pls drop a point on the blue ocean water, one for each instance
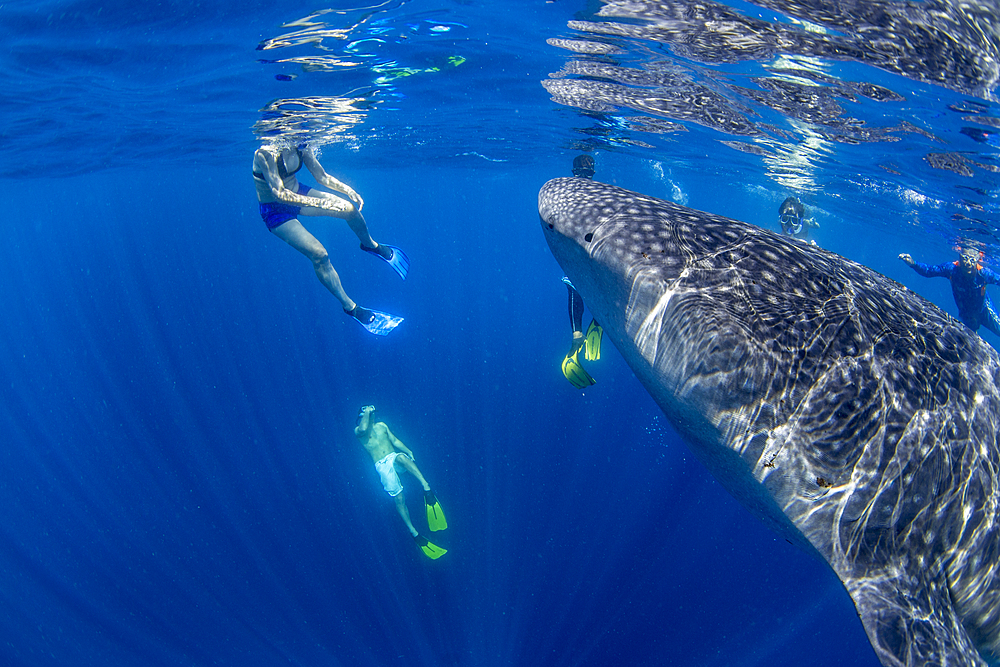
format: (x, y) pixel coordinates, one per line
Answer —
(180, 480)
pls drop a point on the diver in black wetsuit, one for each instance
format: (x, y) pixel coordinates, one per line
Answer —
(583, 167)
(968, 285)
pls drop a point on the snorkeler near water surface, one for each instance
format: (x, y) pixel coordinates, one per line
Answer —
(583, 167)
(793, 220)
(388, 452)
(968, 285)
(283, 199)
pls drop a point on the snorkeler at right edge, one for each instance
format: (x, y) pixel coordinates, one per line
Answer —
(968, 285)
(388, 452)
(583, 167)
(283, 199)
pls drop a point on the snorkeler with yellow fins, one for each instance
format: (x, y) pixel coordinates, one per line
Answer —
(388, 452)
(589, 343)
(583, 167)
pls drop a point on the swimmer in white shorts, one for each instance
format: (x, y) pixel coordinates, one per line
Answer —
(388, 452)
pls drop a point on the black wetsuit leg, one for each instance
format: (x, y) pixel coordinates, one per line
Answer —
(575, 310)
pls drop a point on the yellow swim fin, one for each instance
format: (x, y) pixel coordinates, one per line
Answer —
(575, 373)
(595, 335)
(430, 550)
(435, 515)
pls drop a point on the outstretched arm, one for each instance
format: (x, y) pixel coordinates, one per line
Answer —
(990, 276)
(264, 161)
(328, 181)
(927, 270)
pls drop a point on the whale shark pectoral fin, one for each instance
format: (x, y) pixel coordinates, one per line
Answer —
(910, 620)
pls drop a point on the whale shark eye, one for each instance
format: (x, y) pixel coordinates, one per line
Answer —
(589, 237)
(551, 226)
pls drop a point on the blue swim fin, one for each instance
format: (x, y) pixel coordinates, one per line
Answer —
(392, 256)
(375, 321)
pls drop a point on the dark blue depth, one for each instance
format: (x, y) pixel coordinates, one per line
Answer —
(183, 485)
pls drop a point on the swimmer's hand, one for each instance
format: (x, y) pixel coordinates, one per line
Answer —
(906, 258)
(354, 197)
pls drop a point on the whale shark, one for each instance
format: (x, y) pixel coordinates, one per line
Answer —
(851, 415)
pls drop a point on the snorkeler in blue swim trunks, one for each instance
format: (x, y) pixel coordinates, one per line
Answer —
(283, 199)
(968, 285)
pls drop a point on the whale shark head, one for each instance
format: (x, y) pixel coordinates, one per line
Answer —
(747, 338)
(688, 293)
(851, 415)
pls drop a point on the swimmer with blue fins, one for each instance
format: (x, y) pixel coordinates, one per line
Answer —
(283, 199)
(390, 455)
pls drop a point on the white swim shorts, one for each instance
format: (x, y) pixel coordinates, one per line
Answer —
(387, 471)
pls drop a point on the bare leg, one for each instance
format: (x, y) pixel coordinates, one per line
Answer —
(297, 236)
(347, 212)
(408, 463)
(360, 228)
(404, 513)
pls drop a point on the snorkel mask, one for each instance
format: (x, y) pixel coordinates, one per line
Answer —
(791, 223)
(790, 213)
(970, 258)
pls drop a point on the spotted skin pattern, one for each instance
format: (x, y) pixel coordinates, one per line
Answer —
(850, 414)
